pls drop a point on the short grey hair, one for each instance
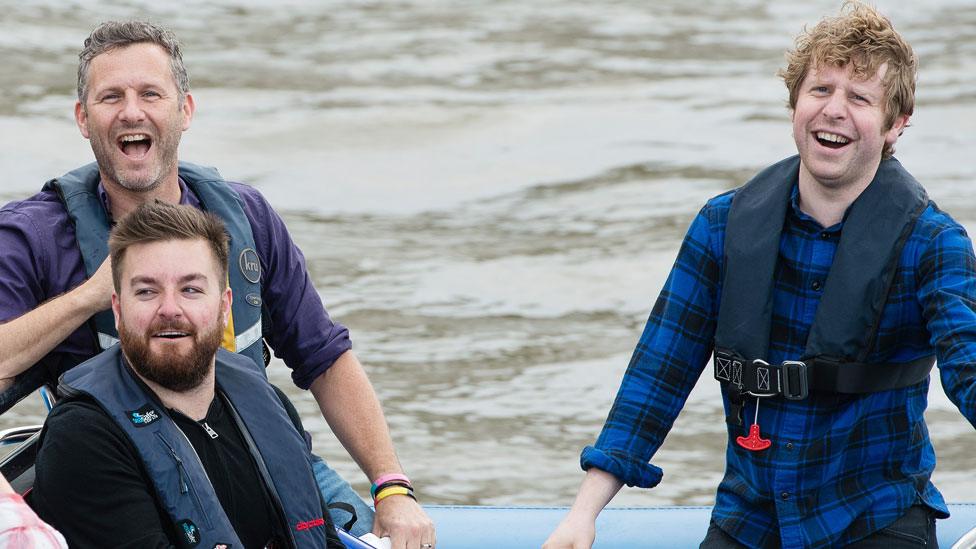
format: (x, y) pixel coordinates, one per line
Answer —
(119, 34)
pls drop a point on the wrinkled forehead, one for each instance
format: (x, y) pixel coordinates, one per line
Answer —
(138, 63)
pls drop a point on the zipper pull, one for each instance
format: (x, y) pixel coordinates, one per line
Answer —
(210, 431)
(184, 487)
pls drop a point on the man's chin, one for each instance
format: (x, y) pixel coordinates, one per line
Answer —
(137, 179)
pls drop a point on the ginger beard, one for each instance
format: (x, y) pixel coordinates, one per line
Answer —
(174, 370)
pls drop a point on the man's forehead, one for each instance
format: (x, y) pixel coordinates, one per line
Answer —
(857, 70)
(170, 260)
(132, 61)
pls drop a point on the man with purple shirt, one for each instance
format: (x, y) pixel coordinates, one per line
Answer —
(133, 105)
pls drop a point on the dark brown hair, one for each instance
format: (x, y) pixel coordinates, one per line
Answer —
(158, 221)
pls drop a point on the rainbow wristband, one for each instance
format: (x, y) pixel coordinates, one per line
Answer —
(392, 491)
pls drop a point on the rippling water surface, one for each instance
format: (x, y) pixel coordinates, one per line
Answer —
(490, 194)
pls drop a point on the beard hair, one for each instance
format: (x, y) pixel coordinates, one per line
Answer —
(178, 372)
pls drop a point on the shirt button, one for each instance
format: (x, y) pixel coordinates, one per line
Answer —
(789, 446)
(816, 285)
(785, 495)
(825, 235)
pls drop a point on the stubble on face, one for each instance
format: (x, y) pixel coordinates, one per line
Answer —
(178, 372)
(166, 143)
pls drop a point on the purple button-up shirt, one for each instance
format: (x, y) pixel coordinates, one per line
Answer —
(40, 260)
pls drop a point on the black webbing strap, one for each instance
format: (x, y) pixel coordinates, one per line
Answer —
(853, 378)
(795, 379)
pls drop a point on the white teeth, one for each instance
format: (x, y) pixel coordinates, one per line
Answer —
(832, 137)
(136, 137)
(169, 334)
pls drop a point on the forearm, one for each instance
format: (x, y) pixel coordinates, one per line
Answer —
(350, 405)
(595, 492)
(27, 338)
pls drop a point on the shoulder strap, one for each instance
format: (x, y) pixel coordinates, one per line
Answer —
(244, 270)
(752, 236)
(875, 232)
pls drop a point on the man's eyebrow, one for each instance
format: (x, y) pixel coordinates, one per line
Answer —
(146, 279)
(192, 277)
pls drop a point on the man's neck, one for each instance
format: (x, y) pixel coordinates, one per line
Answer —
(194, 403)
(826, 203)
(123, 201)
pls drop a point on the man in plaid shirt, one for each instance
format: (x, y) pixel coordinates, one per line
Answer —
(825, 287)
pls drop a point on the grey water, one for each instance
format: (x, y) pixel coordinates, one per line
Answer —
(490, 193)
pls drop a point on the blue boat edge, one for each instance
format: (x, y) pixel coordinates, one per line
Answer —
(479, 527)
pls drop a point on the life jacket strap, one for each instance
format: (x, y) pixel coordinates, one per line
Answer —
(795, 379)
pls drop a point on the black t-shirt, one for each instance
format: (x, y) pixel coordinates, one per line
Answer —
(87, 463)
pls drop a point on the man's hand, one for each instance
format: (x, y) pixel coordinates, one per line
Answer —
(405, 522)
(100, 286)
(574, 532)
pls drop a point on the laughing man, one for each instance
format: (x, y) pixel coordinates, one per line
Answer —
(826, 287)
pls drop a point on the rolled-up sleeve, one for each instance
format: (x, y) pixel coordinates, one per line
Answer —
(667, 362)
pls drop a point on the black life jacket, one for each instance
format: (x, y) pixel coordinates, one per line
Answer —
(845, 326)
(279, 450)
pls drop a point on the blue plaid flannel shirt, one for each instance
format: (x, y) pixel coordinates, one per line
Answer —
(841, 466)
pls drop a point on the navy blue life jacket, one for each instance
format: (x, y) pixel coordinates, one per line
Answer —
(282, 456)
(855, 292)
(78, 191)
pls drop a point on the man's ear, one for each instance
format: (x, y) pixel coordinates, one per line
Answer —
(81, 118)
(226, 300)
(116, 309)
(188, 109)
(892, 135)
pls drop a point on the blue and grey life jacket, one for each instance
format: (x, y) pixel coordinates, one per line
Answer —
(78, 191)
(844, 329)
(279, 450)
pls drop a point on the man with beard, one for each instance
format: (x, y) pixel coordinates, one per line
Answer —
(55, 285)
(167, 439)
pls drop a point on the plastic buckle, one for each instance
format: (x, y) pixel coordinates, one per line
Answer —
(794, 373)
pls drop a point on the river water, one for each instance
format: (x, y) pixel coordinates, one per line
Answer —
(490, 194)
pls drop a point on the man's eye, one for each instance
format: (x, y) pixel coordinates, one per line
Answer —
(110, 98)
(151, 94)
(192, 290)
(144, 292)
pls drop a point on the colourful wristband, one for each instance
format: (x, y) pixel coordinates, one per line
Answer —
(391, 491)
(383, 479)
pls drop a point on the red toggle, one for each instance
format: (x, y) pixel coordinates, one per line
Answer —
(753, 442)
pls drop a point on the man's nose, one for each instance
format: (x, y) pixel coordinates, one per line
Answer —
(169, 305)
(132, 108)
(836, 106)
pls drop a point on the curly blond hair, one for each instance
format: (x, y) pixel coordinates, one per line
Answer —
(864, 40)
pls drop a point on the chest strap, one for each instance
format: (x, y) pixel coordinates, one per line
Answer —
(794, 379)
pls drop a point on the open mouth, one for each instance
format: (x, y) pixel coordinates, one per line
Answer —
(135, 145)
(831, 140)
(171, 334)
